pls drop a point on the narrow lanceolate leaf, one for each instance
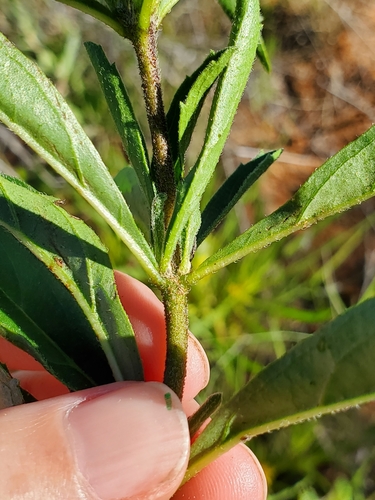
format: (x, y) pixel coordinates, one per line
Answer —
(128, 183)
(33, 109)
(344, 180)
(330, 371)
(263, 56)
(191, 106)
(204, 412)
(58, 299)
(231, 191)
(229, 7)
(123, 115)
(187, 104)
(243, 41)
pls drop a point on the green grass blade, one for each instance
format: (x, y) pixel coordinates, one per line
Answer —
(244, 40)
(344, 180)
(33, 109)
(231, 191)
(123, 115)
(330, 371)
(67, 260)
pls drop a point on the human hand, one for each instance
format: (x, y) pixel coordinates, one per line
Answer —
(116, 441)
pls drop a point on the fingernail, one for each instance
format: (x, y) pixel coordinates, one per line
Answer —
(132, 442)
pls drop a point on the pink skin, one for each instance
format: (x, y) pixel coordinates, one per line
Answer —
(117, 441)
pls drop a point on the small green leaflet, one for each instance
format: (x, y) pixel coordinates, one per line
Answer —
(231, 191)
(201, 84)
(187, 104)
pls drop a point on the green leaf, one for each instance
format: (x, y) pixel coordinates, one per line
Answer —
(99, 11)
(165, 7)
(231, 191)
(369, 292)
(262, 54)
(330, 371)
(123, 115)
(192, 105)
(229, 7)
(344, 180)
(244, 40)
(204, 412)
(58, 298)
(188, 241)
(128, 183)
(187, 104)
(33, 109)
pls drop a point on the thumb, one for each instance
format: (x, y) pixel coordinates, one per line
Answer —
(124, 440)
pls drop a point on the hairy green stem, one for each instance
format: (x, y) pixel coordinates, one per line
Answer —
(176, 315)
(145, 45)
(173, 291)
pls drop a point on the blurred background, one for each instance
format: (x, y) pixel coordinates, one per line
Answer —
(318, 97)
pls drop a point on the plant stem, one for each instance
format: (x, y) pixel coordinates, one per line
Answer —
(145, 45)
(174, 292)
(177, 322)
